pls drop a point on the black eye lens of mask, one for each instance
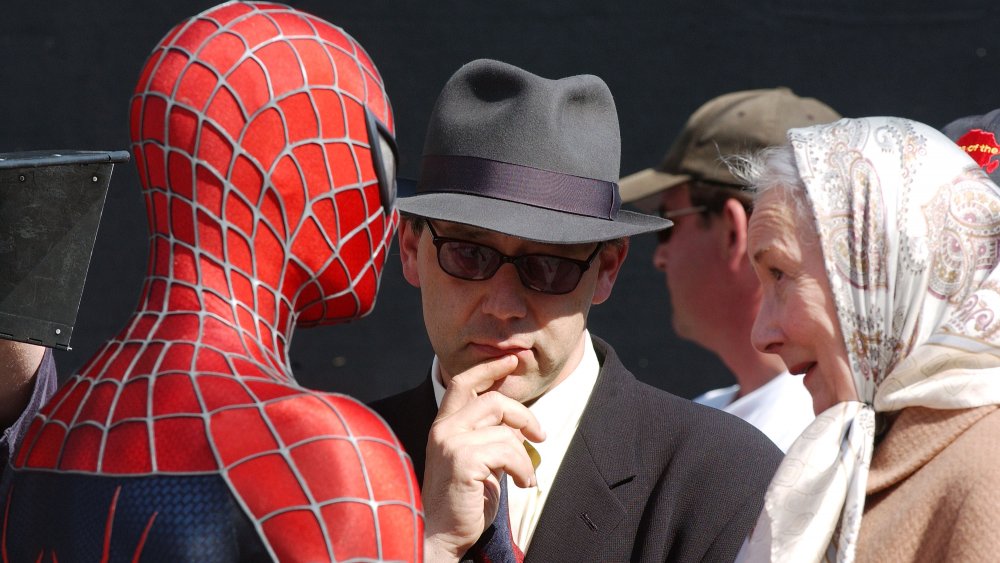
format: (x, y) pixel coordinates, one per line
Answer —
(382, 145)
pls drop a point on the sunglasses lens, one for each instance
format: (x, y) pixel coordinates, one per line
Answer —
(468, 261)
(548, 274)
(538, 272)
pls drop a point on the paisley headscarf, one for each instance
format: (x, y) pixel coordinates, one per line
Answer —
(910, 232)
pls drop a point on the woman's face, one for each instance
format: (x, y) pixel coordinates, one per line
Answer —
(797, 319)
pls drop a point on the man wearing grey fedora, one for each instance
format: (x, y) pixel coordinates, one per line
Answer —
(514, 233)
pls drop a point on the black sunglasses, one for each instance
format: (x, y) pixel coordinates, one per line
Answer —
(472, 261)
(663, 235)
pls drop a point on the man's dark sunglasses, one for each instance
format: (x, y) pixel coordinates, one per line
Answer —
(472, 261)
(663, 235)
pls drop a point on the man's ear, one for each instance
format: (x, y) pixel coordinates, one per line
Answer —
(609, 262)
(735, 242)
(409, 246)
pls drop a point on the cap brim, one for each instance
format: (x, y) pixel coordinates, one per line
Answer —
(527, 221)
(638, 188)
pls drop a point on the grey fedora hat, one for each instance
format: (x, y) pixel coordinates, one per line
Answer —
(525, 156)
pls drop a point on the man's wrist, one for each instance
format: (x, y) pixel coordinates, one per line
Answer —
(438, 551)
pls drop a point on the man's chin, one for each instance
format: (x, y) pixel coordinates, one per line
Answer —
(516, 387)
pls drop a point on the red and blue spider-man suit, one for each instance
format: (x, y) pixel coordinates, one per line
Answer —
(262, 136)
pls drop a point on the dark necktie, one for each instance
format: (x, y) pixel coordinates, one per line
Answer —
(496, 545)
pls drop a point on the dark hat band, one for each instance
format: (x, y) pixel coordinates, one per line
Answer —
(502, 180)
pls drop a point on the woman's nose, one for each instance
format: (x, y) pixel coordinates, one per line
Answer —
(766, 335)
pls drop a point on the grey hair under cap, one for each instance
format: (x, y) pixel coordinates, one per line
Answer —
(526, 156)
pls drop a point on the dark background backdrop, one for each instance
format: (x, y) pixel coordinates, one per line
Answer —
(68, 68)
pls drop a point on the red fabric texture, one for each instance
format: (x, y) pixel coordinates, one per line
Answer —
(249, 133)
(982, 147)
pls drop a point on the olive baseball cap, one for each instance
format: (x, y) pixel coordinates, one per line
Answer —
(731, 124)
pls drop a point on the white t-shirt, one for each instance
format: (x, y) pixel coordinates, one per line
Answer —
(781, 408)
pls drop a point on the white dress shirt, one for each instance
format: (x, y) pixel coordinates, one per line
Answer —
(781, 408)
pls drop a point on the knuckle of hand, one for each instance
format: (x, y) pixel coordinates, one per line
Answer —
(497, 401)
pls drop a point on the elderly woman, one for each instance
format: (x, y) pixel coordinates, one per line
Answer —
(877, 243)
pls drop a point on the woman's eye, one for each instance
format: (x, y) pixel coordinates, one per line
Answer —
(776, 274)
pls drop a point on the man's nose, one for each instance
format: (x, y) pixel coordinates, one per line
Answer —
(660, 257)
(504, 295)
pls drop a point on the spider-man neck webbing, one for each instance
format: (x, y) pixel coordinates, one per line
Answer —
(263, 140)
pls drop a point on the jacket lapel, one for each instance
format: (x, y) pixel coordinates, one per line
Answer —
(585, 504)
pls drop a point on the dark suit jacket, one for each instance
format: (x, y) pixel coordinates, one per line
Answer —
(648, 477)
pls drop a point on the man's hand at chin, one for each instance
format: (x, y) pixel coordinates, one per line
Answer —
(474, 440)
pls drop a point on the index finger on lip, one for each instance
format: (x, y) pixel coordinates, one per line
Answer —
(466, 386)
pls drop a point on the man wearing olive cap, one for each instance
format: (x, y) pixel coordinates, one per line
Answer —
(714, 293)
